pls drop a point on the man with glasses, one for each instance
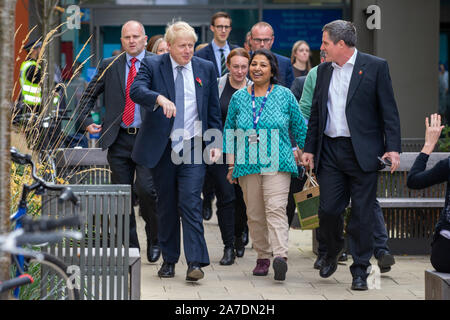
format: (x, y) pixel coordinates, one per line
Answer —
(219, 48)
(262, 36)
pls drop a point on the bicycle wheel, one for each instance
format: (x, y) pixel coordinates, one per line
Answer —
(51, 280)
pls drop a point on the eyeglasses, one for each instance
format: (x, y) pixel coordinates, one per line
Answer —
(223, 27)
(257, 40)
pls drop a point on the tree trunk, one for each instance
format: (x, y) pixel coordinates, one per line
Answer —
(7, 25)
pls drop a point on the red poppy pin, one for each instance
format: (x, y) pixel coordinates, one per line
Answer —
(360, 72)
(199, 81)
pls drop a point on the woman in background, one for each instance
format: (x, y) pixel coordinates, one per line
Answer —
(300, 58)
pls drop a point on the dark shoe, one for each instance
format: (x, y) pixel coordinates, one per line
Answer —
(245, 236)
(207, 210)
(359, 284)
(262, 267)
(153, 252)
(385, 261)
(343, 257)
(228, 257)
(194, 272)
(239, 246)
(328, 268)
(167, 270)
(280, 268)
(319, 262)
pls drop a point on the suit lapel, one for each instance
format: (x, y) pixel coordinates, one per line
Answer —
(167, 76)
(121, 70)
(198, 79)
(213, 58)
(355, 80)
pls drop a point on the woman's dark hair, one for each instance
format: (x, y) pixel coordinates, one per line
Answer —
(272, 60)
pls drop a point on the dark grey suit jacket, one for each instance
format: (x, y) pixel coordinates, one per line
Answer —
(109, 80)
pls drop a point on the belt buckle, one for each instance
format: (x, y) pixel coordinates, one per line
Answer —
(132, 130)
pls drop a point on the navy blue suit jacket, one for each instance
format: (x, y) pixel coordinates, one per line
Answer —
(207, 53)
(285, 71)
(155, 77)
(371, 112)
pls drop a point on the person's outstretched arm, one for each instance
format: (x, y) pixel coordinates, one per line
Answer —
(418, 177)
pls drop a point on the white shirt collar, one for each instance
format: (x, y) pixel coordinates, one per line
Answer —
(350, 61)
(216, 46)
(175, 64)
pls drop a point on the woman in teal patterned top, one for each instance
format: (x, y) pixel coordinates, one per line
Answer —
(260, 155)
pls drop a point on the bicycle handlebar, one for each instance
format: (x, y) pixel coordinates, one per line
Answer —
(67, 193)
(40, 238)
(43, 224)
(16, 282)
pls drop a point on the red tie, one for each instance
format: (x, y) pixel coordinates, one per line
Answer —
(128, 113)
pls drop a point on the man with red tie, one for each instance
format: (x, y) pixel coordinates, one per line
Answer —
(120, 124)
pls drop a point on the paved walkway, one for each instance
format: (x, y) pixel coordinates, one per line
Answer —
(405, 281)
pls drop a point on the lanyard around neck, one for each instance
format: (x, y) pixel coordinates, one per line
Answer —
(256, 117)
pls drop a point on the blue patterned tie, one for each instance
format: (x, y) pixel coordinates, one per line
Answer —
(177, 145)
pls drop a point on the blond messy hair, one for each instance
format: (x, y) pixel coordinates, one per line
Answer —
(178, 29)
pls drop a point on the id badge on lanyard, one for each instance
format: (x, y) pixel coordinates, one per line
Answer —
(254, 138)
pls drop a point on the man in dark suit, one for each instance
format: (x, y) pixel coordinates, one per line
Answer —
(219, 48)
(262, 36)
(121, 123)
(354, 119)
(181, 95)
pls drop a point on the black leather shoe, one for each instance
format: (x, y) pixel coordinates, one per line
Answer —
(343, 257)
(167, 270)
(319, 262)
(153, 252)
(328, 268)
(228, 257)
(239, 246)
(245, 236)
(359, 284)
(385, 261)
(194, 272)
(207, 210)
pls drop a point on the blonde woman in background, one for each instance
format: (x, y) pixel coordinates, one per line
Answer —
(300, 58)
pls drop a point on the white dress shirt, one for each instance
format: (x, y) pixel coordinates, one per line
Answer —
(337, 125)
(190, 101)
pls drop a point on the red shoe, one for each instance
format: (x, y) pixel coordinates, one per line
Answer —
(262, 267)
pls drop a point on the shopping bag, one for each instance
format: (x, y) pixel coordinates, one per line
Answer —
(307, 202)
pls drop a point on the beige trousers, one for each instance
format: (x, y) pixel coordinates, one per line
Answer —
(266, 198)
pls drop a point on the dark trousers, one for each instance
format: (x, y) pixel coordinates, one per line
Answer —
(208, 188)
(440, 254)
(240, 212)
(341, 179)
(123, 171)
(296, 186)
(225, 201)
(147, 199)
(380, 236)
(179, 188)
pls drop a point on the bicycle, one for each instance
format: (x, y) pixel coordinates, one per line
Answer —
(28, 232)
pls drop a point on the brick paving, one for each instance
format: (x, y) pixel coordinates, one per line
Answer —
(404, 282)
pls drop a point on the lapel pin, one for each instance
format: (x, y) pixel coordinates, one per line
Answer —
(360, 72)
(199, 81)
